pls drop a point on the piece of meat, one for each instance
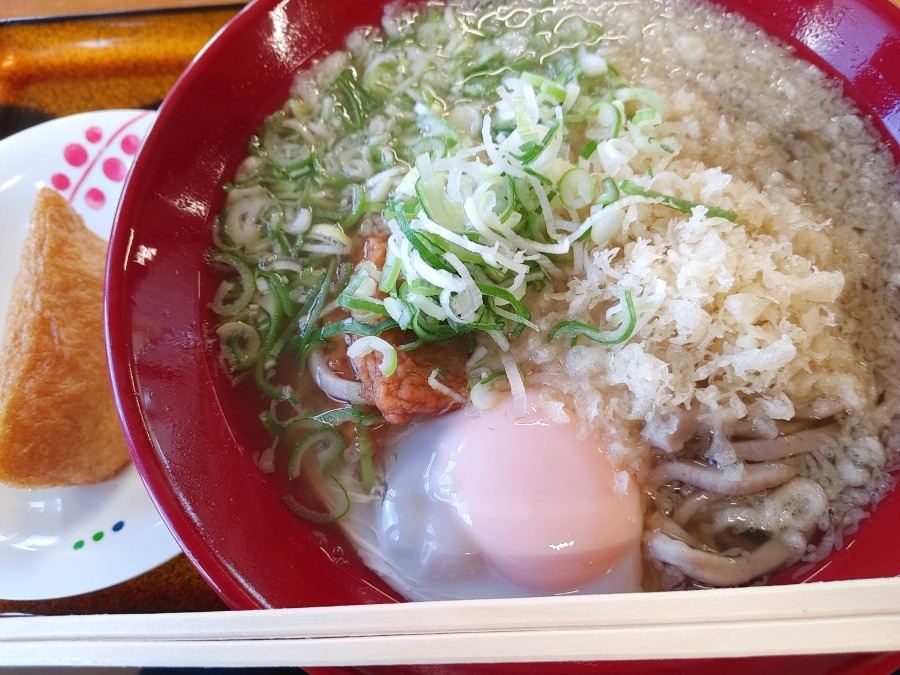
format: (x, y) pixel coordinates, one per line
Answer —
(375, 247)
(407, 393)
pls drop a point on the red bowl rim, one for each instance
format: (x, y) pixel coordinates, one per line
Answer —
(150, 460)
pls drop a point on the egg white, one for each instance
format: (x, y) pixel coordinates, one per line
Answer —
(413, 532)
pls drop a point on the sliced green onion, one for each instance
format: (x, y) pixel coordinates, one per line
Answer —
(606, 224)
(327, 236)
(442, 388)
(399, 310)
(371, 343)
(525, 127)
(351, 102)
(276, 284)
(433, 124)
(646, 116)
(353, 327)
(338, 416)
(379, 77)
(359, 292)
(312, 308)
(554, 91)
(576, 189)
(541, 177)
(357, 207)
(530, 150)
(265, 386)
(366, 458)
(486, 320)
(588, 149)
(544, 85)
(610, 118)
(432, 330)
(282, 146)
(359, 304)
(319, 517)
(327, 440)
(356, 281)
(522, 315)
(434, 146)
(683, 205)
(221, 304)
(525, 194)
(330, 382)
(241, 341)
(422, 287)
(410, 346)
(437, 206)
(610, 192)
(641, 95)
(612, 337)
(390, 272)
(506, 199)
(421, 247)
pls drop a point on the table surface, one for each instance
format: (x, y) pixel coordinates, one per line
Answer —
(46, 72)
(51, 66)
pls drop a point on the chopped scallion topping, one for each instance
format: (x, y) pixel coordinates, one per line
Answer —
(611, 337)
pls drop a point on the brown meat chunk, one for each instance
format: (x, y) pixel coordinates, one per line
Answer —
(375, 247)
(406, 393)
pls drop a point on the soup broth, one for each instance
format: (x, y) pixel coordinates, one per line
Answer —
(569, 298)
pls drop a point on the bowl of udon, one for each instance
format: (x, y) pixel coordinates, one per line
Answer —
(435, 301)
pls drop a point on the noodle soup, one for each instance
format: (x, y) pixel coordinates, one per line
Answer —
(563, 299)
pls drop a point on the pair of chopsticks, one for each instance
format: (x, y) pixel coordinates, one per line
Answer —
(829, 617)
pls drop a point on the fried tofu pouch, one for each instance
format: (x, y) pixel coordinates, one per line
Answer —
(58, 422)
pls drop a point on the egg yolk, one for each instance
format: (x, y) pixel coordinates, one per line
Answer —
(547, 510)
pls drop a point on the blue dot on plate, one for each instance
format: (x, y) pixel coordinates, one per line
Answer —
(118, 526)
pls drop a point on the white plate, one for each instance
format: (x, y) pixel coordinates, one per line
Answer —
(60, 542)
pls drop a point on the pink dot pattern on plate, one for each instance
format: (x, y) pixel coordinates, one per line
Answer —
(95, 198)
(111, 160)
(114, 169)
(75, 154)
(130, 144)
(60, 181)
(93, 134)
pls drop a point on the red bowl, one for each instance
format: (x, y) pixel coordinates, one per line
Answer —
(192, 435)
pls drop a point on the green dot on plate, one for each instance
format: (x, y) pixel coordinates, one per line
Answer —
(97, 536)
(78, 545)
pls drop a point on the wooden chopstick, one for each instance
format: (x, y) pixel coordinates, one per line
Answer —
(832, 617)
